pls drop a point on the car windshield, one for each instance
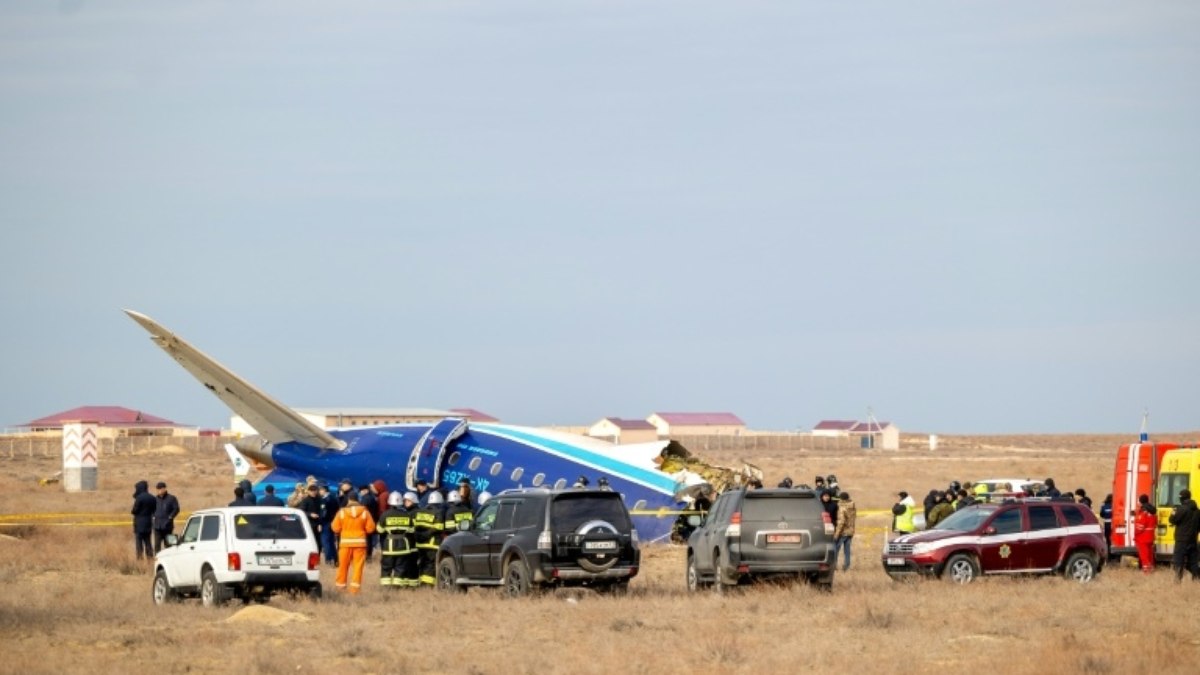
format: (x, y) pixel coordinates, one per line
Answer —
(268, 526)
(569, 511)
(965, 520)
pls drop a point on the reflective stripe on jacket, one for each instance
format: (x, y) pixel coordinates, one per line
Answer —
(353, 523)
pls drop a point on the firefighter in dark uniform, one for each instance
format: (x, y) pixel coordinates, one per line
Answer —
(456, 513)
(397, 561)
(429, 523)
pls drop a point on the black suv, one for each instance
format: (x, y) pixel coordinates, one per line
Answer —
(527, 539)
(752, 534)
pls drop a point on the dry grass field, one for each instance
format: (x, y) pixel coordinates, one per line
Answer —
(75, 600)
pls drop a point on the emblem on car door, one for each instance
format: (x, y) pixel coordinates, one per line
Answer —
(1005, 551)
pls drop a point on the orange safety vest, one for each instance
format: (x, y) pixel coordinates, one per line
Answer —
(353, 523)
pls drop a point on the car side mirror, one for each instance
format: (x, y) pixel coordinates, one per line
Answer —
(171, 540)
(990, 531)
(694, 520)
(464, 525)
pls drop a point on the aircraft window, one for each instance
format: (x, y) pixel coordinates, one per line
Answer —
(539, 479)
(517, 473)
(560, 483)
(475, 462)
(641, 504)
(453, 458)
(496, 469)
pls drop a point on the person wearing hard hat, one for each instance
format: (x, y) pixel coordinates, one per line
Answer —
(456, 513)
(429, 522)
(353, 524)
(395, 541)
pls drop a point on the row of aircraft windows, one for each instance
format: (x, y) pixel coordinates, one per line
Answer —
(497, 467)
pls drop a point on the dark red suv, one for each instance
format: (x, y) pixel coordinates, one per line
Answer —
(1028, 536)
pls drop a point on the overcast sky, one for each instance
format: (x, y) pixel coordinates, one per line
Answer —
(971, 217)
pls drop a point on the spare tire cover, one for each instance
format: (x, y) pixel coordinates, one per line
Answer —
(598, 560)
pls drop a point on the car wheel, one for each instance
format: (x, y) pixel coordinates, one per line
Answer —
(516, 578)
(598, 531)
(162, 592)
(1081, 567)
(212, 593)
(694, 582)
(961, 569)
(617, 589)
(823, 582)
(447, 574)
(314, 592)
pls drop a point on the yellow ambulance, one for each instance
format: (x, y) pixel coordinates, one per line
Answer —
(1179, 471)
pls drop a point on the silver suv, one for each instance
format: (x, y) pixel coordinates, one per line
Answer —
(249, 552)
(754, 534)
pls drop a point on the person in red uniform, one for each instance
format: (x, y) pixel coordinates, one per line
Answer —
(1144, 525)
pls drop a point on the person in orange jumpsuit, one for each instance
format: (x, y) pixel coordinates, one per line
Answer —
(1144, 526)
(354, 524)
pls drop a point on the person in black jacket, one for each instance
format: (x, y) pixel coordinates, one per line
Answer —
(269, 498)
(248, 492)
(1186, 519)
(166, 507)
(144, 506)
(239, 497)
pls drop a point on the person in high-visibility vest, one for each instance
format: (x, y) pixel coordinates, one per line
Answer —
(904, 510)
(429, 523)
(397, 560)
(353, 523)
(981, 492)
(456, 513)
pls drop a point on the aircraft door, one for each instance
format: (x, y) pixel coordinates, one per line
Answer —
(425, 462)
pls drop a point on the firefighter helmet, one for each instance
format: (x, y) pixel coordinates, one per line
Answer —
(394, 499)
(435, 498)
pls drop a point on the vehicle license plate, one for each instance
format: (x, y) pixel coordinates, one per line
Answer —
(274, 560)
(783, 539)
(895, 561)
(599, 545)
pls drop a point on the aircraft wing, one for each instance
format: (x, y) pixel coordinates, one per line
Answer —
(274, 421)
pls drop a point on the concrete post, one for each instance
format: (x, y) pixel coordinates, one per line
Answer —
(81, 451)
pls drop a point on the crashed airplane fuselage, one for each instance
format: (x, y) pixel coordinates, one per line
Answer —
(492, 457)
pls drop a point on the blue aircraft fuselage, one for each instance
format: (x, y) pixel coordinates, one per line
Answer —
(491, 457)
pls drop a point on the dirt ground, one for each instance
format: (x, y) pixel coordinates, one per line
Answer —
(75, 600)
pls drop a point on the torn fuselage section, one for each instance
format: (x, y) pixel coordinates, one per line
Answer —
(699, 482)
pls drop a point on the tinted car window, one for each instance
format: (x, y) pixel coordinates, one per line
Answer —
(268, 526)
(504, 519)
(1073, 515)
(775, 508)
(528, 514)
(192, 531)
(211, 529)
(486, 519)
(965, 520)
(570, 511)
(1042, 518)
(1007, 522)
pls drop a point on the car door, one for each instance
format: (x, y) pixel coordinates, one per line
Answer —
(1001, 541)
(475, 541)
(502, 531)
(711, 532)
(1043, 540)
(183, 565)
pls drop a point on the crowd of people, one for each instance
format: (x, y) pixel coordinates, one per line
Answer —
(408, 528)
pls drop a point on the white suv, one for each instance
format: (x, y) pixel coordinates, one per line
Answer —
(246, 552)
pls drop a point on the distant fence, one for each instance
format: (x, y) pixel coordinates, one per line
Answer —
(18, 447)
(766, 443)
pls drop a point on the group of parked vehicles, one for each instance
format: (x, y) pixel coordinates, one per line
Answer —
(528, 539)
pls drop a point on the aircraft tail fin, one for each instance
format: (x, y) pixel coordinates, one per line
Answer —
(274, 421)
(241, 467)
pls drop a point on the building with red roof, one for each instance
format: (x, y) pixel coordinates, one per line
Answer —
(619, 430)
(671, 424)
(112, 421)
